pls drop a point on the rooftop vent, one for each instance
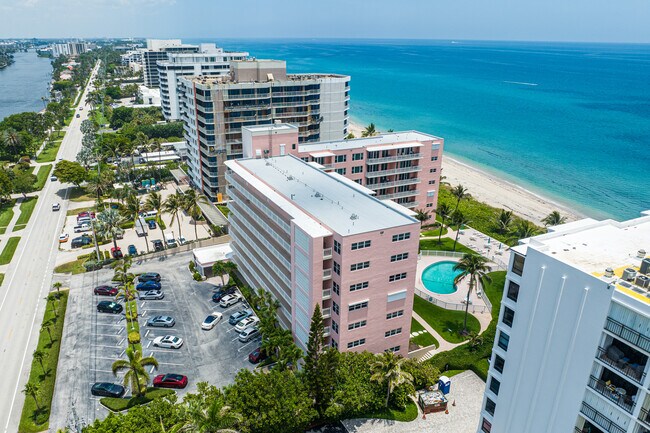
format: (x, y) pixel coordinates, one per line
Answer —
(609, 272)
(645, 266)
(642, 281)
(641, 254)
(629, 274)
(289, 177)
(354, 217)
(318, 194)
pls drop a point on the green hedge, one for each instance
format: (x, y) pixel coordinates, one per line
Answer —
(120, 404)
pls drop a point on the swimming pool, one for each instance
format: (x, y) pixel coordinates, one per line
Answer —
(439, 278)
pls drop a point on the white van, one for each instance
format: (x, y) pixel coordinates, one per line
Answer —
(169, 240)
(149, 214)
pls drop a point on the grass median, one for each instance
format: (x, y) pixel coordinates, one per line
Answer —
(120, 404)
(49, 152)
(26, 210)
(6, 214)
(36, 410)
(9, 250)
(41, 176)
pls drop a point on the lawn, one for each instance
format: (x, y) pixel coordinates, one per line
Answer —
(78, 194)
(434, 232)
(6, 214)
(120, 404)
(26, 209)
(33, 418)
(2, 278)
(224, 210)
(446, 244)
(74, 267)
(415, 326)
(9, 250)
(448, 323)
(49, 152)
(406, 415)
(41, 176)
(99, 118)
(425, 340)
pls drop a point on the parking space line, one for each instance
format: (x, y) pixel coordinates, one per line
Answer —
(110, 359)
(171, 363)
(107, 346)
(252, 341)
(102, 371)
(109, 335)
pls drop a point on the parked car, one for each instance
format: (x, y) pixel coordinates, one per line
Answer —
(148, 285)
(133, 251)
(56, 207)
(116, 252)
(54, 178)
(248, 334)
(109, 307)
(84, 220)
(211, 321)
(170, 381)
(182, 240)
(161, 322)
(229, 300)
(78, 116)
(106, 389)
(168, 342)
(246, 323)
(151, 224)
(81, 241)
(158, 245)
(106, 291)
(86, 214)
(240, 315)
(82, 228)
(63, 237)
(222, 292)
(257, 356)
(149, 276)
(152, 295)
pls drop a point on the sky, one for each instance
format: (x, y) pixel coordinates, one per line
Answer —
(527, 20)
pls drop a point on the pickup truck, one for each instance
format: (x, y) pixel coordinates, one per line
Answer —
(81, 228)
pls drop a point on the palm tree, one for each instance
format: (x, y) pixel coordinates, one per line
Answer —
(173, 206)
(154, 202)
(108, 225)
(523, 229)
(215, 418)
(57, 286)
(31, 389)
(387, 368)
(444, 212)
(460, 192)
(11, 140)
(369, 131)
(459, 220)
(475, 268)
(46, 326)
(132, 210)
(554, 219)
(121, 270)
(191, 202)
(53, 298)
(219, 268)
(39, 355)
(504, 220)
(422, 216)
(136, 374)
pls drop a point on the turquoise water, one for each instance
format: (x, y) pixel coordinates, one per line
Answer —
(439, 277)
(23, 83)
(570, 121)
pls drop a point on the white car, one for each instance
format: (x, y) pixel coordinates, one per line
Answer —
(63, 237)
(248, 334)
(211, 321)
(168, 342)
(229, 300)
(82, 228)
(245, 323)
(56, 207)
(54, 178)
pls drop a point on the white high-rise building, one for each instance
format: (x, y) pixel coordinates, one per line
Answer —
(157, 50)
(573, 339)
(209, 60)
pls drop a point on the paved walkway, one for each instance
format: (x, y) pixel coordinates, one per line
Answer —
(444, 344)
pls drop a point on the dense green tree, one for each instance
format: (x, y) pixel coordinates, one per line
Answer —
(386, 369)
(6, 185)
(136, 375)
(159, 416)
(70, 172)
(474, 268)
(424, 373)
(113, 92)
(107, 225)
(121, 116)
(211, 414)
(504, 221)
(24, 182)
(523, 229)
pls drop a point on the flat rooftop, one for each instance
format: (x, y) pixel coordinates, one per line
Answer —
(336, 204)
(378, 140)
(226, 79)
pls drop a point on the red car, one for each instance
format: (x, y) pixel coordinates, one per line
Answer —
(106, 291)
(170, 381)
(116, 253)
(256, 356)
(86, 214)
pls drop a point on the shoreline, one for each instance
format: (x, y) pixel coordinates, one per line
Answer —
(496, 191)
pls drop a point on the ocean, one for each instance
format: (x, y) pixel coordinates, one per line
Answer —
(568, 121)
(23, 83)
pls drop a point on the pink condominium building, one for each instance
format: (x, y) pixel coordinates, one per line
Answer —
(400, 166)
(316, 238)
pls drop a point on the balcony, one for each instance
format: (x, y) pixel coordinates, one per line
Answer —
(380, 173)
(327, 294)
(600, 419)
(327, 253)
(327, 313)
(624, 360)
(628, 334)
(327, 274)
(398, 195)
(391, 184)
(618, 396)
(326, 331)
(394, 158)
(644, 416)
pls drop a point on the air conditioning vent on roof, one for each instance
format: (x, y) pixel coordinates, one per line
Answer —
(642, 281)
(609, 272)
(318, 194)
(641, 254)
(289, 177)
(629, 274)
(354, 216)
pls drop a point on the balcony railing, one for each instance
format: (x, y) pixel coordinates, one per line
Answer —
(391, 184)
(628, 334)
(610, 392)
(393, 158)
(379, 173)
(327, 294)
(635, 373)
(326, 331)
(327, 253)
(398, 195)
(644, 416)
(327, 312)
(327, 274)
(601, 419)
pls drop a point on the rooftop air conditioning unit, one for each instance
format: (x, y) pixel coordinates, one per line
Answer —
(645, 266)
(609, 272)
(629, 274)
(318, 194)
(640, 254)
(642, 281)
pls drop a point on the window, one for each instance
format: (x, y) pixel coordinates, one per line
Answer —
(513, 291)
(431, 193)
(490, 406)
(357, 156)
(394, 314)
(335, 307)
(434, 158)
(340, 158)
(508, 316)
(340, 171)
(357, 169)
(335, 326)
(429, 205)
(356, 325)
(499, 363)
(397, 277)
(494, 386)
(293, 146)
(486, 426)
(337, 247)
(335, 345)
(335, 288)
(433, 170)
(358, 286)
(399, 257)
(337, 268)
(360, 245)
(357, 266)
(518, 264)
(392, 332)
(356, 343)
(358, 306)
(504, 340)
(401, 237)
(393, 349)
(432, 182)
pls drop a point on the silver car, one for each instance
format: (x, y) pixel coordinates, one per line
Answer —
(152, 295)
(248, 334)
(161, 322)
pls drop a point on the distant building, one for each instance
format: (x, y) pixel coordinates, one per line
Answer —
(157, 50)
(209, 60)
(314, 238)
(71, 48)
(150, 97)
(255, 92)
(133, 59)
(572, 340)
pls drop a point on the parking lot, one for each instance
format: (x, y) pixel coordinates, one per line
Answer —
(93, 341)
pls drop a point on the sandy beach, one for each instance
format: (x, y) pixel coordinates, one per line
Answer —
(495, 191)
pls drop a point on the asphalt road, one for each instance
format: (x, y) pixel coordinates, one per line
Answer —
(27, 282)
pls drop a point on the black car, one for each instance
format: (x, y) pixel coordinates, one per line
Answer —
(158, 245)
(149, 276)
(106, 389)
(109, 307)
(220, 293)
(151, 224)
(81, 241)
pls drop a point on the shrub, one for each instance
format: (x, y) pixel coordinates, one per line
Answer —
(92, 265)
(197, 276)
(192, 266)
(131, 315)
(134, 337)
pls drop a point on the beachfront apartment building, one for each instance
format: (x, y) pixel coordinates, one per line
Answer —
(315, 238)
(573, 337)
(71, 48)
(255, 92)
(157, 51)
(209, 60)
(400, 166)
